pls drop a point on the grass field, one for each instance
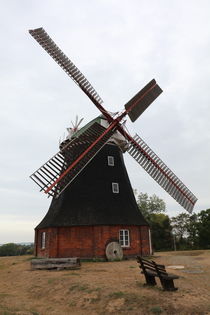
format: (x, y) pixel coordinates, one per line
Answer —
(104, 288)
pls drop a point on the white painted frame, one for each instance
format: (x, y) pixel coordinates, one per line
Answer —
(110, 160)
(124, 238)
(115, 188)
(43, 240)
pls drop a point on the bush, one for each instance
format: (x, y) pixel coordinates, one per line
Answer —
(12, 249)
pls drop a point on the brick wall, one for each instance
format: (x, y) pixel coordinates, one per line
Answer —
(90, 241)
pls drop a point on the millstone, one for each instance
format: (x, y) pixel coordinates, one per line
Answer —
(114, 251)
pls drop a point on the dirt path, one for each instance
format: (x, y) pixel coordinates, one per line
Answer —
(104, 288)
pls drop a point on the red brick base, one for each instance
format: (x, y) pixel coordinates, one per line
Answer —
(90, 241)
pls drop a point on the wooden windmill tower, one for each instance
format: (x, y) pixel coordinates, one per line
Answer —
(93, 205)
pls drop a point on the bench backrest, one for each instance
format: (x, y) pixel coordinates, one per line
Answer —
(151, 266)
(160, 269)
(146, 264)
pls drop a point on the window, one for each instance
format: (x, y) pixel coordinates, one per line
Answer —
(43, 240)
(115, 188)
(110, 160)
(124, 238)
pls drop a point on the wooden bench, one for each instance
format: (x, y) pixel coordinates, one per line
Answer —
(151, 270)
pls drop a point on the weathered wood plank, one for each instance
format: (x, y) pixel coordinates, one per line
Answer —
(55, 263)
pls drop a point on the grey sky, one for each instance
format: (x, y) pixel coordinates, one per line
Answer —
(119, 46)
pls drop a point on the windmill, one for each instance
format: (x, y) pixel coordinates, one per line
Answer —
(81, 151)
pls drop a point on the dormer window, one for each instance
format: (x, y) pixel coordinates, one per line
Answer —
(115, 188)
(110, 160)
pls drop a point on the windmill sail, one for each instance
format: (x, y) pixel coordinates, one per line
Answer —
(137, 105)
(41, 36)
(158, 170)
(57, 173)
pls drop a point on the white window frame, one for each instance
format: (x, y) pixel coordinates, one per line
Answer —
(110, 160)
(115, 188)
(43, 240)
(124, 238)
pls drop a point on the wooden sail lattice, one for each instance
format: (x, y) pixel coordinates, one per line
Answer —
(41, 36)
(158, 170)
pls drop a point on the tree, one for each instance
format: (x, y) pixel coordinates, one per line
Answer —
(152, 208)
(192, 229)
(9, 249)
(180, 229)
(161, 231)
(12, 249)
(149, 205)
(203, 229)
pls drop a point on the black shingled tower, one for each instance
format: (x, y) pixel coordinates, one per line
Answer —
(89, 199)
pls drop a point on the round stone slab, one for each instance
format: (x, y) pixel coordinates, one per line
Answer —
(114, 251)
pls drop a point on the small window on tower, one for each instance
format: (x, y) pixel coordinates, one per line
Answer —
(110, 160)
(115, 188)
(124, 238)
(43, 240)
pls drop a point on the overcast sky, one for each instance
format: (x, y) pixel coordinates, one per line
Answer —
(119, 46)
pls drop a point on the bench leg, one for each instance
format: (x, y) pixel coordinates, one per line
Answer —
(150, 280)
(168, 285)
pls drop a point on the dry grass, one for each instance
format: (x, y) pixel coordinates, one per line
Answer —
(104, 288)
